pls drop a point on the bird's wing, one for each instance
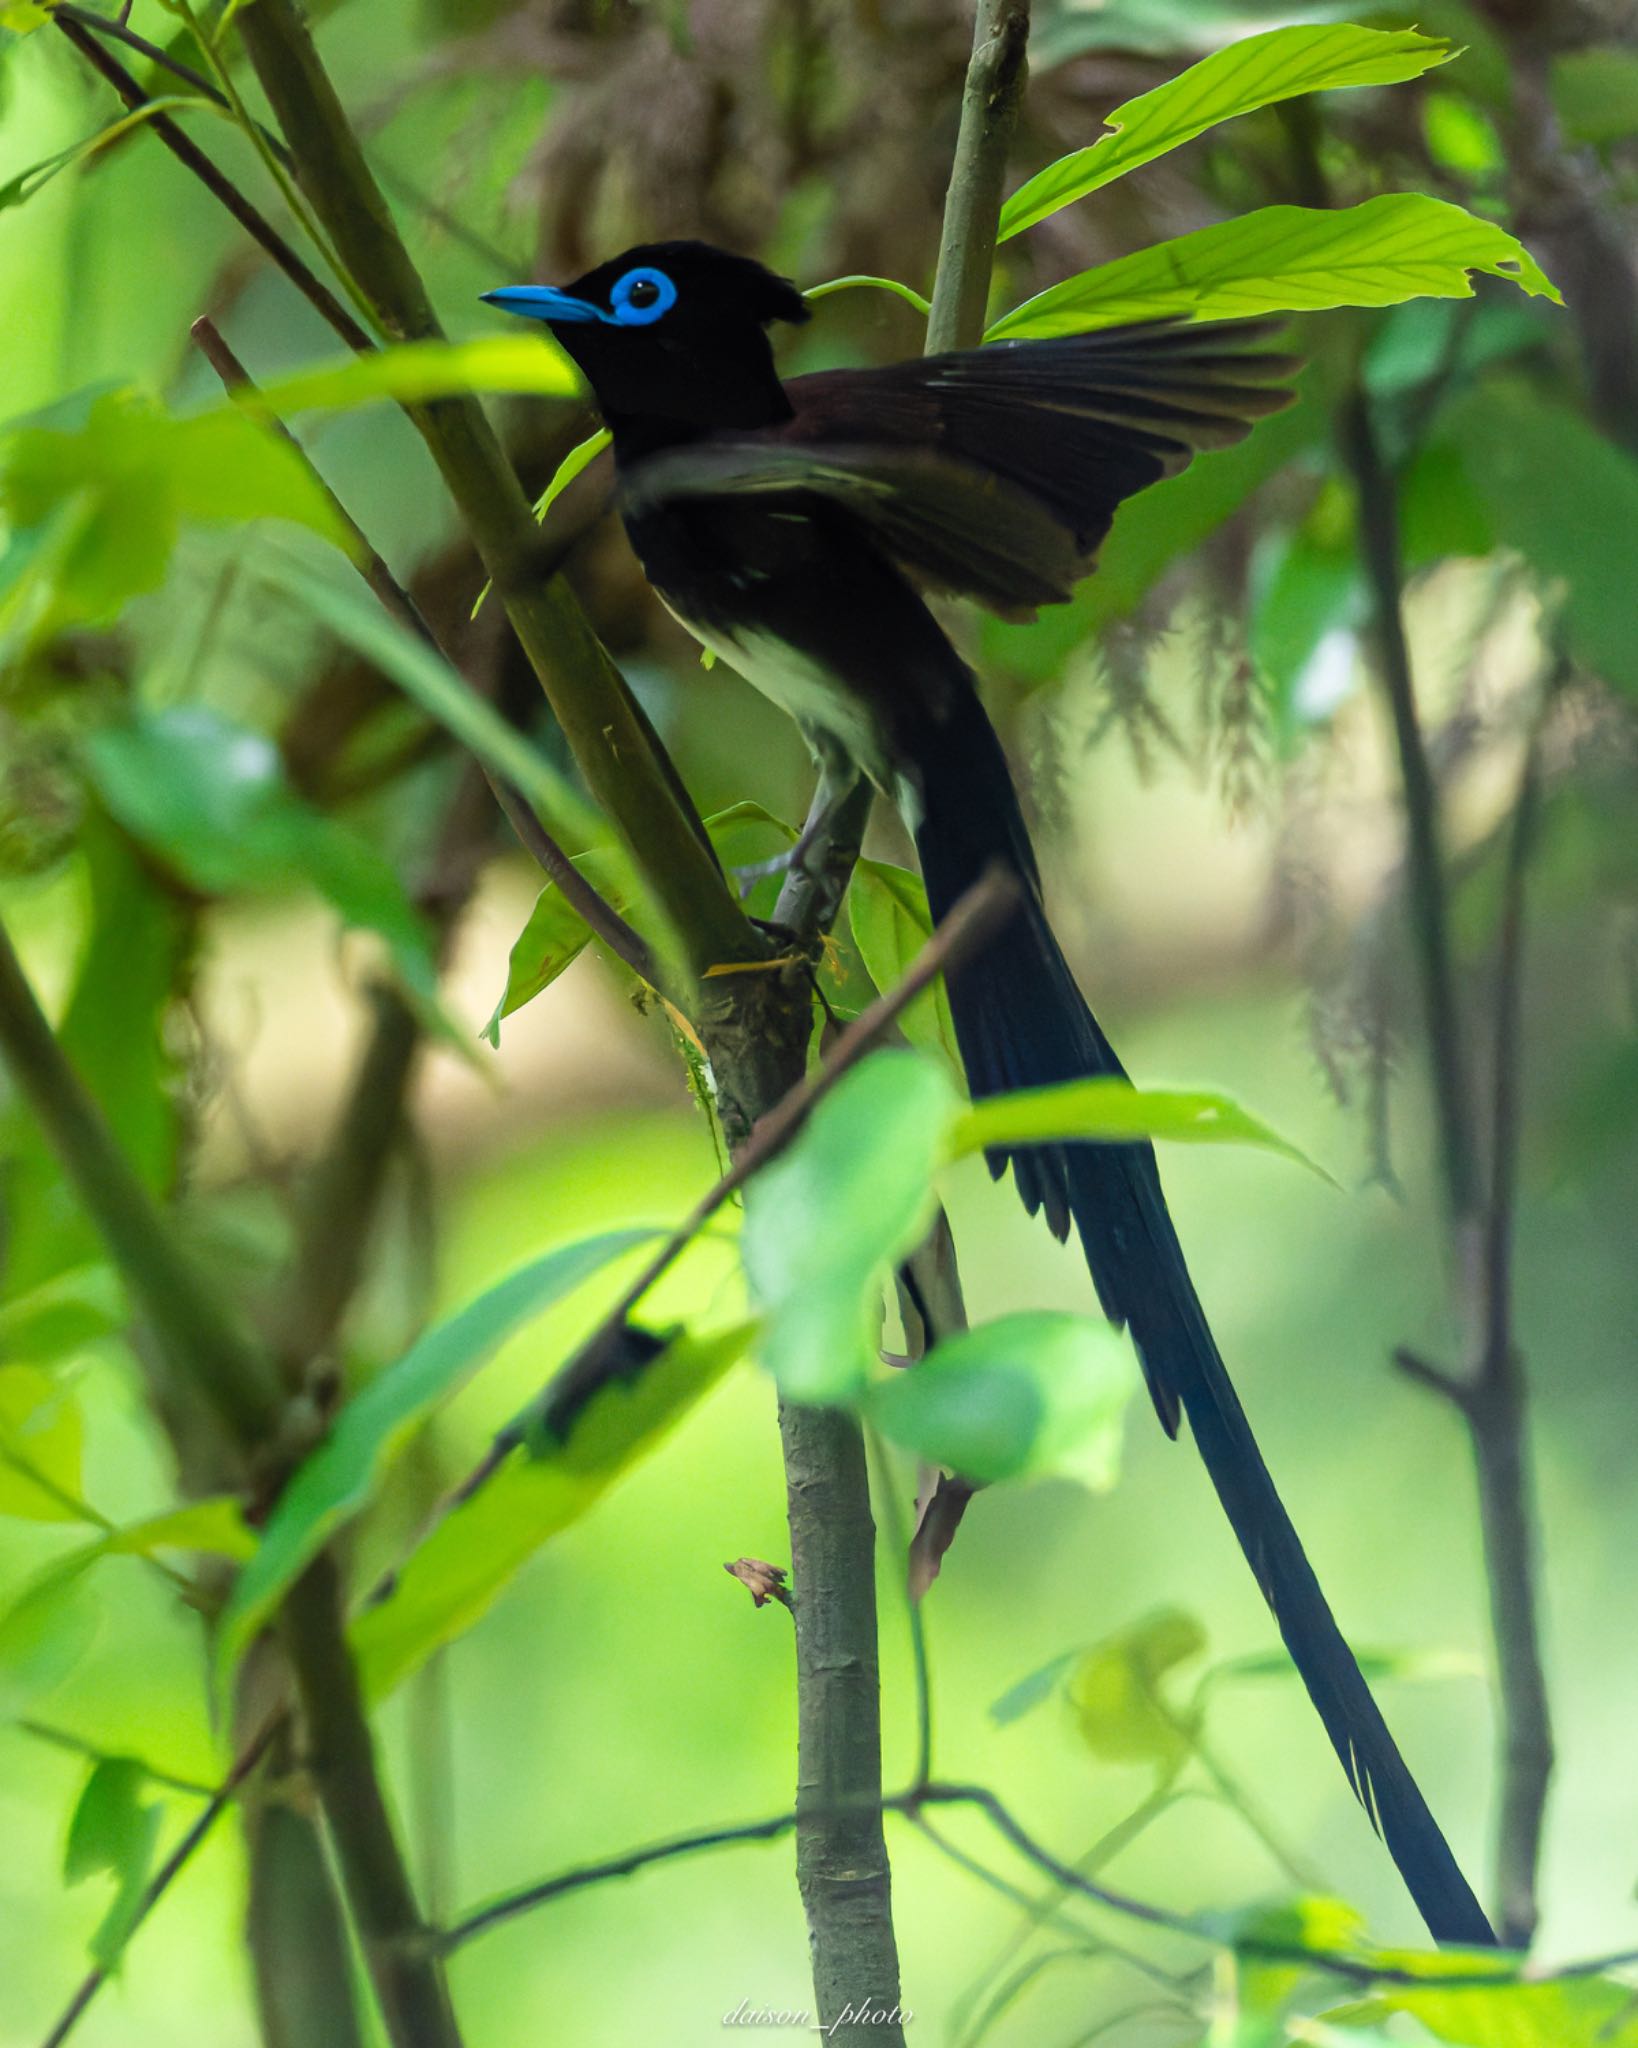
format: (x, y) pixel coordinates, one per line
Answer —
(1074, 426)
(959, 526)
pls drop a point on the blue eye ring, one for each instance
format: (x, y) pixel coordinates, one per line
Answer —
(620, 298)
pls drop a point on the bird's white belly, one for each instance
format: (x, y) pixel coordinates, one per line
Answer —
(805, 689)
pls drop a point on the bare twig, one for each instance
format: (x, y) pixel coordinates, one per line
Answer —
(164, 1877)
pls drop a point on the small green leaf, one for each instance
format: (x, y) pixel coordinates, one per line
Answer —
(1108, 1110)
(62, 1315)
(371, 1431)
(880, 284)
(580, 457)
(827, 1219)
(1024, 1394)
(47, 1630)
(463, 1567)
(41, 1439)
(113, 1830)
(1289, 259)
(216, 1525)
(1031, 1692)
(1258, 72)
(556, 934)
(1118, 1694)
(22, 16)
(414, 371)
(887, 910)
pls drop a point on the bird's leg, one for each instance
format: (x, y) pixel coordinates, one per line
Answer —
(838, 779)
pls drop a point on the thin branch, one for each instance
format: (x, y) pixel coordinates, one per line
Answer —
(255, 223)
(588, 904)
(164, 1877)
(972, 207)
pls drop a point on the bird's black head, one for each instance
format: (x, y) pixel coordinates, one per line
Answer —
(670, 334)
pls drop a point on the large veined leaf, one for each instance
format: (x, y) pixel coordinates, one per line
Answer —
(824, 1222)
(470, 1558)
(1023, 1394)
(337, 1481)
(1289, 259)
(1255, 73)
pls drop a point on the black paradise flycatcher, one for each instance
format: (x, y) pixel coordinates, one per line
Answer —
(782, 525)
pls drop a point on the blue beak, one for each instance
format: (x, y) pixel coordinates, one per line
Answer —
(543, 302)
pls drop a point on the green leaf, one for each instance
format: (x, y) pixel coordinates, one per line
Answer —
(414, 371)
(887, 910)
(1595, 93)
(579, 457)
(23, 17)
(1118, 1693)
(556, 934)
(1568, 2012)
(1024, 1394)
(337, 1481)
(1257, 72)
(47, 1630)
(1409, 1666)
(1031, 1692)
(1567, 500)
(1111, 1111)
(14, 191)
(1289, 259)
(118, 488)
(470, 1558)
(113, 1830)
(41, 1441)
(62, 1315)
(825, 1221)
(210, 798)
(880, 284)
(216, 1525)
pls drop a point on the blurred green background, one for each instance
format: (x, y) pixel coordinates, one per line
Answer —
(1215, 793)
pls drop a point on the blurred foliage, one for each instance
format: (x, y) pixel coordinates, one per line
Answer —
(235, 820)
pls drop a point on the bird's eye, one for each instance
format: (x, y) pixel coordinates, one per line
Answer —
(641, 297)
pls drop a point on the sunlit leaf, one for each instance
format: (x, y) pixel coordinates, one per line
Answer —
(1108, 1110)
(1021, 1395)
(1583, 2012)
(1254, 73)
(887, 910)
(825, 1221)
(41, 1442)
(1289, 259)
(338, 1480)
(1118, 1694)
(556, 934)
(531, 364)
(452, 1579)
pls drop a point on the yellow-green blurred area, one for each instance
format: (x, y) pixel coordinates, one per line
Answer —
(1214, 784)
